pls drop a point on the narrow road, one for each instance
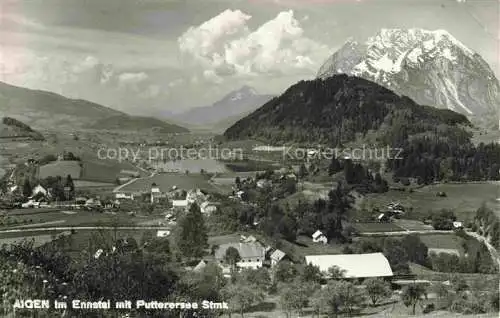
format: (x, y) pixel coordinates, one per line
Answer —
(494, 253)
(407, 232)
(85, 228)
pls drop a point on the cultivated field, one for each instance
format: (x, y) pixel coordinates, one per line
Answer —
(446, 241)
(106, 170)
(60, 168)
(377, 227)
(79, 184)
(464, 199)
(165, 181)
(65, 218)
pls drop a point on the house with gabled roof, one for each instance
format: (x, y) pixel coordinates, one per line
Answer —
(318, 236)
(276, 257)
(252, 254)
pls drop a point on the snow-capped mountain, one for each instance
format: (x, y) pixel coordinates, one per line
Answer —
(431, 67)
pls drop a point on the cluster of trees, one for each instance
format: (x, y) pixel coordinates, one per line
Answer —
(9, 121)
(400, 252)
(192, 234)
(487, 224)
(475, 258)
(276, 186)
(22, 129)
(430, 159)
(362, 179)
(328, 216)
(56, 186)
(442, 220)
(49, 273)
(479, 296)
(282, 221)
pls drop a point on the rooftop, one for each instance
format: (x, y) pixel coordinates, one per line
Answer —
(355, 265)
(277, 255)
(246, 250)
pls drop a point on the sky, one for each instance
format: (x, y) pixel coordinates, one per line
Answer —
(154, 57)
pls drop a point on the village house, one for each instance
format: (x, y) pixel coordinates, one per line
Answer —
(383, 218)
(93, 203)
(240, 194)
(124, 196)
(162, 233)
(318, 237)
(156, 194)
(180, 204)
(196, 196)
(252, 255)
(276, 257)
(353, 265)
(40, 192)
(458, 225)
(200, 266)
(263, 183)
(208, 207)
(248, 239)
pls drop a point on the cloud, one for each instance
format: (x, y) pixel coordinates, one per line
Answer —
(132, 79)
(87, 78)
(225, 46)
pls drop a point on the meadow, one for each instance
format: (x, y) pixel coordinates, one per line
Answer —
(66, 218)
(463, 198)
(165, 181)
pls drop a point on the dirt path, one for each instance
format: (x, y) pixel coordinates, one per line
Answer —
(494, 253)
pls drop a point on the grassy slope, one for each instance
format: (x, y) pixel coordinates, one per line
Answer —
(463, 199)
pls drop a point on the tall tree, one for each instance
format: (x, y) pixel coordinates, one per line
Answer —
(232, 256)
(295, 296)
(377, 289)
(27, 188)
(192, 234)
(415, 249)
(241, 297)
(71, 185)
(412, 295)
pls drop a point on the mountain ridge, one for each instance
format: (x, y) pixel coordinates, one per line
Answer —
(227, 110)
(46, 110)
(334, 110)
(431, 67)
(137, 123)
(43, 109)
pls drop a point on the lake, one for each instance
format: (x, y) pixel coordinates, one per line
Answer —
(210, 166)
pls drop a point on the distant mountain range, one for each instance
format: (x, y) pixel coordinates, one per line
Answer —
(431, 67)
(339, 109)
(223, 113)
(46, 110)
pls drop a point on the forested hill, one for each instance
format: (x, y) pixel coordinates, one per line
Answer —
(136, 123)
(336, 109)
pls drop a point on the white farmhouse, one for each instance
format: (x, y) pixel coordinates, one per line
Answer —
(276, 257)
(318, 236)
(162, 233)
(39, 190)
